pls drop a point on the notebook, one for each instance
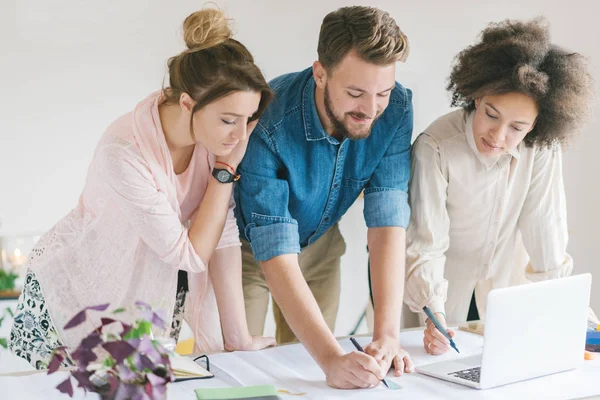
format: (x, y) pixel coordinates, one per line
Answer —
(263, 392)
(185, 368)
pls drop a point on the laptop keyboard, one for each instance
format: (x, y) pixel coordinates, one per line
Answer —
(470, 374)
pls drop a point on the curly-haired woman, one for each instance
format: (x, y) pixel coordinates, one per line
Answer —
(486, 191)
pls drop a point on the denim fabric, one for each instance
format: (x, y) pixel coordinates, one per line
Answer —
(297, 181)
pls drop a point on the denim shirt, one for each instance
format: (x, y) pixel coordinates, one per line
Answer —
(297, 180)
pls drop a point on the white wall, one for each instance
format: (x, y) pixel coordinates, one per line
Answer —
(68, 68)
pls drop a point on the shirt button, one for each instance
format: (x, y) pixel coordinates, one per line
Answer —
(326, 218)
(490, 244)
(485, 265)
(335, 186)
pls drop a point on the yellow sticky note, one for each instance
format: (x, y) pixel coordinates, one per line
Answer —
(185, 347)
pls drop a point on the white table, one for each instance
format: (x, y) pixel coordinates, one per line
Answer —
(291, 368)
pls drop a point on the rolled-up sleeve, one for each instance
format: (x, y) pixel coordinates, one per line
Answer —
(428, 236)
(386, 198)
(263, 201)
(543, 219)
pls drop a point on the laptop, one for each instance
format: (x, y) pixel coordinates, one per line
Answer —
(531, 330)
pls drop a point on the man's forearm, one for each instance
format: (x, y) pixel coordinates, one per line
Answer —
(299, 307)
(387, 256)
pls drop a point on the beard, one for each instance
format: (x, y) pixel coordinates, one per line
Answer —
(340, 129)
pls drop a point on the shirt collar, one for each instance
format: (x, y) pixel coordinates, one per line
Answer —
(310, 117)
(487, 162)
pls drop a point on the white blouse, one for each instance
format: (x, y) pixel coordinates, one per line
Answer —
(480, 222)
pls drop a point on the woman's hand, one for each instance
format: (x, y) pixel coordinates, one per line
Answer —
(251, 343)
(435, 343)
(237, 154)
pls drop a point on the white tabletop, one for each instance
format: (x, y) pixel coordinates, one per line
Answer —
(291, 368)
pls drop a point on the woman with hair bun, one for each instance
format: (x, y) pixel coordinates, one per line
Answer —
(486, 189)
(155, 221)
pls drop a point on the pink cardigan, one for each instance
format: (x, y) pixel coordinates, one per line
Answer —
(126, 240)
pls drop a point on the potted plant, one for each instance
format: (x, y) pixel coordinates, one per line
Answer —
(7, 283)
(3, 341)
(118, 360)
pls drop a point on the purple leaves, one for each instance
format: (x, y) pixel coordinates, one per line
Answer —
(148, 348)
(83, 379)
(114, 384)
(132, 392)
(79, 318)
(143, 305)
(57, 359)
(66, 387)
(107, 321)
(132, 365)
(91, 341)
(158, 321)
(125, 373)
(119, 350)
(100, 307)
(151, 316)
(156, 387)
(142, 362)
(84, 356)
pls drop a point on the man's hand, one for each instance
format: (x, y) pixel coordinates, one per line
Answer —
(352, 371)
(435, 343)
(386, 351)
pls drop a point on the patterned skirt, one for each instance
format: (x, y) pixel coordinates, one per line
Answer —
(34, 337)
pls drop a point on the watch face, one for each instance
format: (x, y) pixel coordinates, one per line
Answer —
(223, 176)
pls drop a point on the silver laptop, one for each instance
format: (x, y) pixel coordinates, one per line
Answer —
(531, 330)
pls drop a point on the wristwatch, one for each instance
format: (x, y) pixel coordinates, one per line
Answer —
(224, 176)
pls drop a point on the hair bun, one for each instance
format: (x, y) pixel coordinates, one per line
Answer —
(205, 28)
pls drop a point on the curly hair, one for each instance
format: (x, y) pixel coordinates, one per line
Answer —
(516, 56)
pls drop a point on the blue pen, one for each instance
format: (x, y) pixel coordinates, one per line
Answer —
(440, 327)
(359, 348)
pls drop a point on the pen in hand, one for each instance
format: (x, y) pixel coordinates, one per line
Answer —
(439, 327)
(359, 348)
